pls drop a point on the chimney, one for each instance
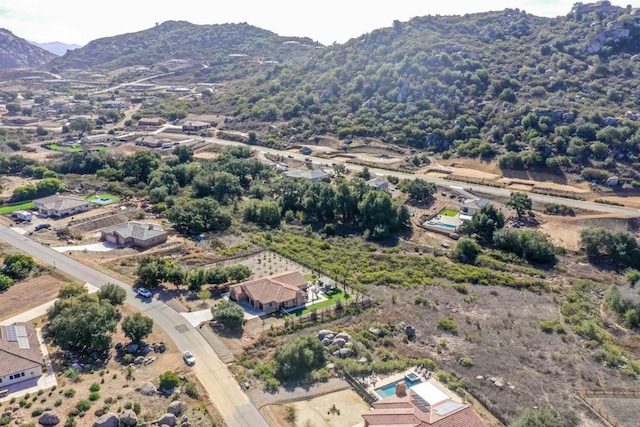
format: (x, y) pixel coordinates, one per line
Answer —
(401, 388)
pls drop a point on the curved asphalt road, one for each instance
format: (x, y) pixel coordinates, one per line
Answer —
(222, 388)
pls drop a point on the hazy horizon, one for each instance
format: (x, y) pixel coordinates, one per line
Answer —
(67, 21)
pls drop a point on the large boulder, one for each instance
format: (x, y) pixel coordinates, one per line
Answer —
(107, 420)
(49, 418)
(167, 419)
(132, 348)
(129, 418)
(148, 389)
(323, 333)
(343, 335)
(176, 407)
(339, 342)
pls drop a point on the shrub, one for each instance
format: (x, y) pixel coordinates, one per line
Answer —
(83, 405)
(463, 288)
(58, 402)
(467, 362)
(128, 358)
(69, 393)
(94, 387)
(93, 396)
(37, 412)
(72, 374)
(191, 390)
(169, 380)
(137, 408)
(447, 324)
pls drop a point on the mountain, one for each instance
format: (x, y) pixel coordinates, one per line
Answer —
(16, 52)
(555, 94)
(57, 48)
(180, 40)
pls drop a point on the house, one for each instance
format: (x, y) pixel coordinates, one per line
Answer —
(378, 183)
(19, 120)
(471, 206)
(423, 405)
(59, 206)
(134, 234)
(148, 141)
(114, 104)
(272, 293)
(92, 139)
(194, 126)
(20, 356)
(151, 121)
(311, 175)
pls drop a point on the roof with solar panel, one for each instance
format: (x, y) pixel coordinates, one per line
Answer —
(19, 348)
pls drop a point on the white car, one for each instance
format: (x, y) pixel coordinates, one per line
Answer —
(144, 292)
(189, 359)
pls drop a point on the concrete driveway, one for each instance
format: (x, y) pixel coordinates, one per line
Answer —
(93, 247)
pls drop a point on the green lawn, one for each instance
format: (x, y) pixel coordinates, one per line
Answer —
(338, 295)
(24, 206)
(56, 147)
(448, 212)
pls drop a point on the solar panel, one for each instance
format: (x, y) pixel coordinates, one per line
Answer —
(12, 334)
(420, 403)
(448, 407)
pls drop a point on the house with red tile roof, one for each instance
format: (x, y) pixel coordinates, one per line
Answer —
(269, 294)
(20, 356)
(423, 405)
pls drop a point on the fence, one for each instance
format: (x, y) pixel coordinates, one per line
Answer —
(614, 392)
(360, 389)
(357, 302)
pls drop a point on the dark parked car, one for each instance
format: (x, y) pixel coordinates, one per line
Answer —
(42, 226)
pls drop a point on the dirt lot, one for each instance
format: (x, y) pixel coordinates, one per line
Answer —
(29, 294)
(621, 408)
(116, 390)
(10, 183)
(314, 412)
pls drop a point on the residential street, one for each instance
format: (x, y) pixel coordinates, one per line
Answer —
(224, 392)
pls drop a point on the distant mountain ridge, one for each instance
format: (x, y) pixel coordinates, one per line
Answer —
(187, 41)
(57, 48)
(16, 52)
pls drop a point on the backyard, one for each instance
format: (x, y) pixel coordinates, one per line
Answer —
(24, 206)
(448, 212)
(333, 297)
(103, 199)
(71, 149)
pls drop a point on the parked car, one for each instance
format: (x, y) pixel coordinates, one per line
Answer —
(42, 226)
(189, 358)
(144, 292)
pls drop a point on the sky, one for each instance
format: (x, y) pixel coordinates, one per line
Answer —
(325, 21)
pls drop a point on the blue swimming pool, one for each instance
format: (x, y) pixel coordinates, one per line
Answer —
(443, 225)
(390, 389)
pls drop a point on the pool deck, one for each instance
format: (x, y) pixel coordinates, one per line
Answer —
(373, 382)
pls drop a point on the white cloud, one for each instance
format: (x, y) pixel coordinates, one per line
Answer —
(73, 21)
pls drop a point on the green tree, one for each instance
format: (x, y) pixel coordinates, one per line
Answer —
(140, 164)
(417, 189)
(113, 293)
(466, 250)
(184, 153)
(84, 325)
(199, 215)
(528, 244)
(5, 282)
(263, 212)
(228, 314)
(520, 202)
(40, 131)
(538, 418)
(152, 271)
(18, 266)
(137, 327)
(485, 223)
(632, 276)
(296, 360)
(82, 125)
(70, 290)
(380, 215)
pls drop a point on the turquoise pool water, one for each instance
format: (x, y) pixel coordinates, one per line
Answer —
(443, 225)
(390, 389)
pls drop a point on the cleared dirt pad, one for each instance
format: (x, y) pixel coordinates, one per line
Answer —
(26, 295)
(315, 411)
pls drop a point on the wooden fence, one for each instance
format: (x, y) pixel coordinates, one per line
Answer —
(360, 389)
(356, 302)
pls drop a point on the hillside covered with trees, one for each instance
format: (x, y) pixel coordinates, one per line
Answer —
(557, 94)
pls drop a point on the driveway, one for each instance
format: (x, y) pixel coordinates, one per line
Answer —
(93, 247)
(222, 388)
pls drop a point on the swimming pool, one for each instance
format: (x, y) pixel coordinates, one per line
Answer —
(390, 389)
(443, 225)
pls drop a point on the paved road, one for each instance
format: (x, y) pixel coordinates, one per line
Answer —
(223, 390)
(445, 183)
